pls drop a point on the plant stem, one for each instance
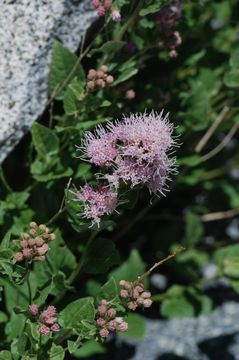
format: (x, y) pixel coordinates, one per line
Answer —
(29, 289)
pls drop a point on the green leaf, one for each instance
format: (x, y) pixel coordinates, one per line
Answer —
(57, 352)
(3, 317)
(6, 241)
(76, 312)
(45, 140)
(109, 290)
(231, 78)
(89, 348)
(127, 74)
(130, 269)
(136, 326)
(194, 229)
(110, 47)
(151, 9)
(192, 160)
(177, 308)
(5, 355)
(63, 61)
(100, 256)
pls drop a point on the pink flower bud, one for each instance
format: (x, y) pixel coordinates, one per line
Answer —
(46, 236)
(111, 313)
(101, 322)
(42, 227)
(27, 252)
(127, 285)
(124, 293)
(147, 303)
(146, 294)
(122, 283)
(135, 293)
(24, 244)
(116, 16)
(130, 94)
(173, 53)
(33, 224)
(112, 325)
(91, 85)
(132, 305)
(104, 333)
(96, 3)
(123, 326)
(32, 232)
(104, 302)
(91, 74)
(104, 68)
(140, 300)
(42, 250)
(52, 236)
(109, 79)
(50, 311)
(119, 320)
(31, 242)
(100, 74)
(18, 256)
(178, 38)
(49, 320)
(101, 10)
(107, 4)
(55, 328)
(139, 287)
(102, 309)
(39, 241)
(44, 330)
(33, 309)
(26, 236)
(100, 83)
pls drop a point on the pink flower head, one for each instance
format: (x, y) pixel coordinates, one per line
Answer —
(130, 94)
(96, 3)
(50, 311)
(100, 147)
(97, 202)
(123, 326)
(111, 313)
(19, 256)
(101, 10)
(116, 16)
(44, 330)
(132, 305)
(101, 322)
(33, 309)
(147, 303)
(55, 327)
(104, 333)
(102, 309)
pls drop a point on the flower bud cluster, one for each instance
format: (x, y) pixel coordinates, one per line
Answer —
(133, 294)
(98, 79)
(34, 244)
(47, 319)
(107, 320)
(168, 37)
(106, 5)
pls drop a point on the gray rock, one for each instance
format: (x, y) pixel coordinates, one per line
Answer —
(28, 29)
(211, 337)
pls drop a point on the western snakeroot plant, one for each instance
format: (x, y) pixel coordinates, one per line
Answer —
(72, 282)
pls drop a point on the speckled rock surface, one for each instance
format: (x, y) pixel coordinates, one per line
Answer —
(28, 29)
(211, 337)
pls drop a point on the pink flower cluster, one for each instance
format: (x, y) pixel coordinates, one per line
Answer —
(133, 294)
(47, 319)
(169, 38)
(107, 320)
(99, 202)
(106, 5)
(34, 245)
(133, 150)
(99, 78)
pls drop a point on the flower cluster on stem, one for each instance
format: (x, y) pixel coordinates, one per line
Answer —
(34, 244)
(133, 295)
(47, 319)
(132, 151)
(107, 321)
(102, 7)
(98, 79)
